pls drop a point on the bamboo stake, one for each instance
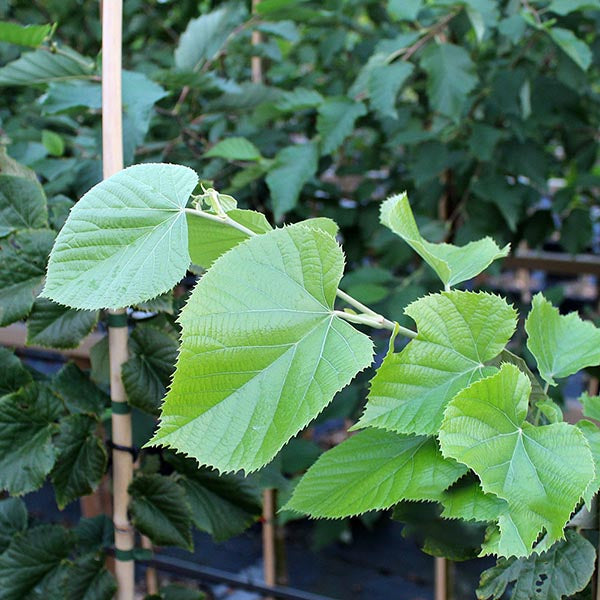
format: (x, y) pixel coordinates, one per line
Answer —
(112, 162)
(268, 535)
(441, 588)
(256, 61)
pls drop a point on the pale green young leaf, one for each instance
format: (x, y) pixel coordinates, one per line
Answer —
(125, 241)
(13, 518)
(234, 148)
(262, 352)
(292, 168)
(336, 121)
(458, 333)
(222, 505)
(35, 558)
(451, 75)
(484, 428)
(22, 204)
(591, 406)
(148, 371)
(27, 424)
(452, 264)
(43, 66)
(577, 50)
(159, 510)
(22, 266)
(385, 81)
(404, 10)
(53, 325)
(323, 223)
(562, 571)
(592, 435)
(24, 35)
(373, 470)
(470, 503)
(209, 239)
(561, 344)
(81, 459)
(13, 375)
(550, 410)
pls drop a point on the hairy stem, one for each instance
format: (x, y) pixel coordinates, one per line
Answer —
(223, 219)
(368, 317)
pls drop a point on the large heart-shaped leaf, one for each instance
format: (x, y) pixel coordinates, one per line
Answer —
(262, 351)
(452, 264)
(458, 333)
(373, 470)
(542, 472)
(125, 241)
(561, 344)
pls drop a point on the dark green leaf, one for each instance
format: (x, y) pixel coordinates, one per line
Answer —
(13, 518)
(90, 580)
(34, 558)
(148, 371)
(159, 510)
(22, 204)
(336, 121)
(81, 459)
(53, 325)
(78, 392)
(27, 423)
(23, 259)
(13, 374)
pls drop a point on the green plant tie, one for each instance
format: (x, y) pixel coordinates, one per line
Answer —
(117, 320)
(120, 408)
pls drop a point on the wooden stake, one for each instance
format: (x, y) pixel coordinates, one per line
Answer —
(256, 61)
(268, 535)
(112, 162)
(441, 588)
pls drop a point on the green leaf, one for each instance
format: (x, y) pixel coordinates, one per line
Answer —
(22, 204)
(470, 503)
(485, 428)
(412, 388)
(93, 534)
(209, 239)
(125, 241)
(13, 518)
(385, 81)
(592, 435)
(35, 558)
(158, 510)
(27, 423)
(452, 264)
(29, 35)
(272, 352)
(147, 373)
(13, 374)
(560, 572)
(22, 268)
(205, 36)
(234, 148)
(52, 325)
(222, 505)
(404, 10)
(90, 580)
(78, 392)
(564, 7)
(577, 50)
(451, 76)
(373, 470)
(336, 121)
(81, 460)
(53, 142)
(292, 168)
(299, 99)
(561, 344)
(591, 406)
(44, 66)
